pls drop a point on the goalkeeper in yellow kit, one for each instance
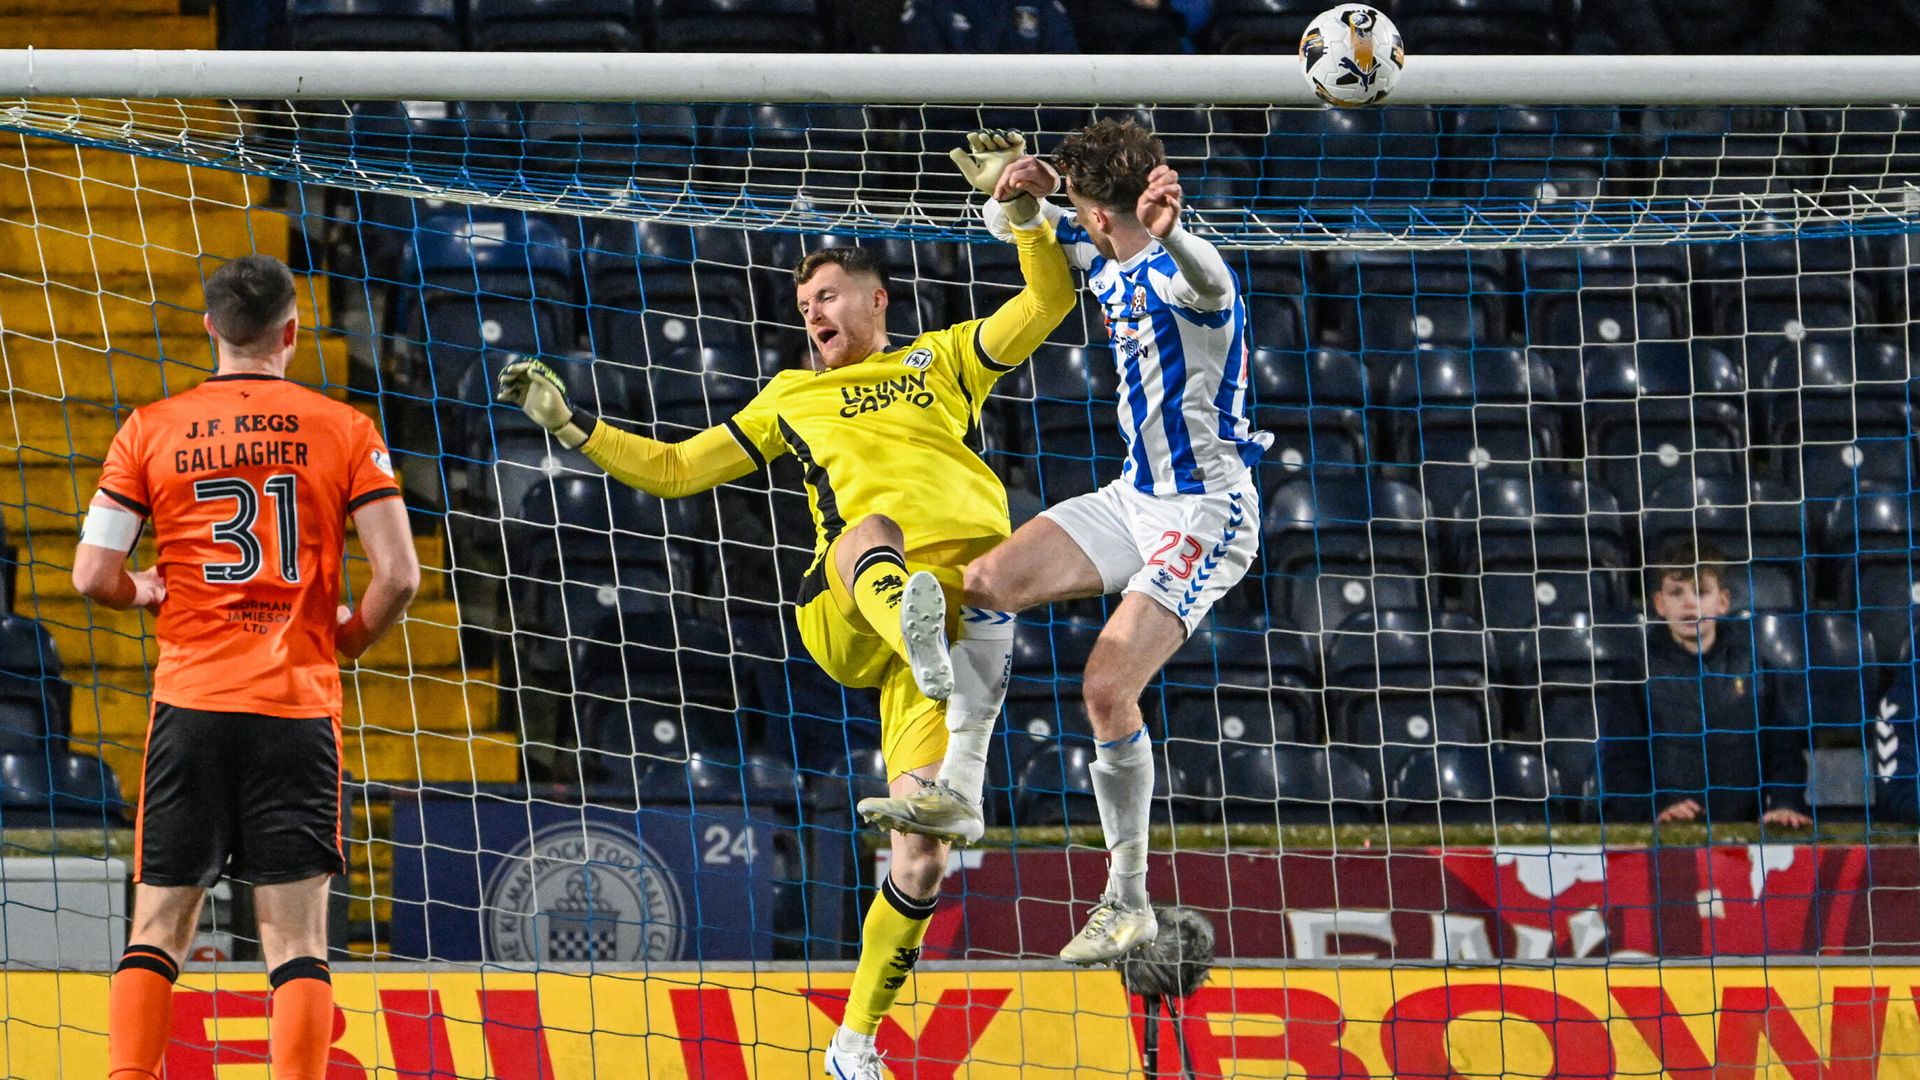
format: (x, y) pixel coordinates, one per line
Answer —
(900, 506)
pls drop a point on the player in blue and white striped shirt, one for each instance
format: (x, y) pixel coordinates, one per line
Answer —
(1181, 524)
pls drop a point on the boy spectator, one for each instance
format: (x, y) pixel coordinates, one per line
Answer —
(1713, 745)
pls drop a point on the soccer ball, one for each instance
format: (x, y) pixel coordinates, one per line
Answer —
(1352, 56)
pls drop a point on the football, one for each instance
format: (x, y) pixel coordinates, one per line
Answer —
(1352, 55)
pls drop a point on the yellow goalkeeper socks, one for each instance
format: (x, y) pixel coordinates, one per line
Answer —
(889, 947)
(879, 579)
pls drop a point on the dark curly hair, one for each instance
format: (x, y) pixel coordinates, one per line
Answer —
(1108, 162)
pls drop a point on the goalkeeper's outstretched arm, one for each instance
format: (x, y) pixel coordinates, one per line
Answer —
(1010, 334)
(668, 470)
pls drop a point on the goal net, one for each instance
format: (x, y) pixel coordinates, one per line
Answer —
(1559, 392)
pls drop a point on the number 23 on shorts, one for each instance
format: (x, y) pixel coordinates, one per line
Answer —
(1180, 564)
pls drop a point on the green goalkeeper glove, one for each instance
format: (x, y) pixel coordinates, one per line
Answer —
(987, 155)
(540, 394)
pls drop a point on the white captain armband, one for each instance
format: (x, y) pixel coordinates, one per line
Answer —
(110, 527)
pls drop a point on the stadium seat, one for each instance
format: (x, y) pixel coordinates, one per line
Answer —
(1259, 26)
(1056, 787)
(1603, 296)
(1343, 521)
(86, 789)
(818, 149)
(652, 145)
(1871, 538)
(1824, 670)
(1780, 289)
(1721, 151)
(556, 25)
(1457, 415)
(1314, 405)
(36, 703)
(1566, 679)
(1274, 285)
(1517, 527)
(1401, 679)
(668, 696)
(1006, 764)
(52, 787)
(1482, 27)
(1837, 416)
(1336, 159)
(1294, 784)
(1320, 602)
(779, 26)
(653, 288)
(694, 388)
(1451, 784)
(1535, 155)
(1392, 301)
(1661, 411)
(26, 788)
(1230, 687)
(1761, 527)
(1043, 697)
(426, 25)
(1075, 428)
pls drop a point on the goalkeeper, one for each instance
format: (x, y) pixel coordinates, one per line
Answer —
(900, 506)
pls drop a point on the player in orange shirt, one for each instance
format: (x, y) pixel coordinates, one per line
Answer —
(248, 481)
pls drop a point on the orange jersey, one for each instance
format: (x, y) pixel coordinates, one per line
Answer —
(247, 482)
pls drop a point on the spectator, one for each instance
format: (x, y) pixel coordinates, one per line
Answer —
(1643, 27)
(986, 26)
(1715, 744)
(1140, 26)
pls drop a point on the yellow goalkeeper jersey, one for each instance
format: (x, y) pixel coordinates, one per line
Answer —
(888, 436)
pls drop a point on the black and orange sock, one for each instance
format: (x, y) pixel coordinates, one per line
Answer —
(140, 1013)
(300, 1024)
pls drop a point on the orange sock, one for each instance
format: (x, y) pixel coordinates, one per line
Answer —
(300, 1028)
(140, 1013)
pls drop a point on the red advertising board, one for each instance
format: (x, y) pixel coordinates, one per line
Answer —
(1464, 905)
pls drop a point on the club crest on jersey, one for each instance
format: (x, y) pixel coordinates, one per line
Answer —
(382, 462)
(1139, 306)
(919, 359)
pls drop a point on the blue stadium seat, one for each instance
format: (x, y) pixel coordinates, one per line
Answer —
(1006, 764)
(1532, 155)
(653, 288)
(1663, 410)
(1873, 570)
(1393, 301)
(652, 144)
(1314, 405)
(426, 25)
(1259, 26)
(1566, 679)
(779, 26)
(1336, 158)
(1459, 415)
(1056, 787)
(1481, 27)
(1761, 527)
(1775, 291)
(1548, 521)
(1721, 150)
(36, 703)
(479, 278)
(1837, 416)
(1406, 678)
(1452, 784)
(1604, 296)
(1075, 429)
(1232, 687)
(556, 25)
(1293, 784)
(54, 787)
(86, 789)
(1274, 285)
(26, 788)
(1043, 697)
(1825, 671)
(812, 148)
(1343, 521)
(670, 695)
(694, 388)
(1317, 603)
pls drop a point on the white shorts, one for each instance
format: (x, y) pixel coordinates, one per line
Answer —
(1184, 551)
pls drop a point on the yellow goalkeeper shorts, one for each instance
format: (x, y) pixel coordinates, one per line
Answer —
(913, 729)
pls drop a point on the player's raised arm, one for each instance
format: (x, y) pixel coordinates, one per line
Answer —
(1203, 283)
(993, 162)
(669, 470)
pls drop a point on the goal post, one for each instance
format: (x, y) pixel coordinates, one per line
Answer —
(1520, 336)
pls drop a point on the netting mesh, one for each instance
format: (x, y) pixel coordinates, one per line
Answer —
(1509, 357)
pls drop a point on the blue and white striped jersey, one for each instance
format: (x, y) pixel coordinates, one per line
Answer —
(1183, 370)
